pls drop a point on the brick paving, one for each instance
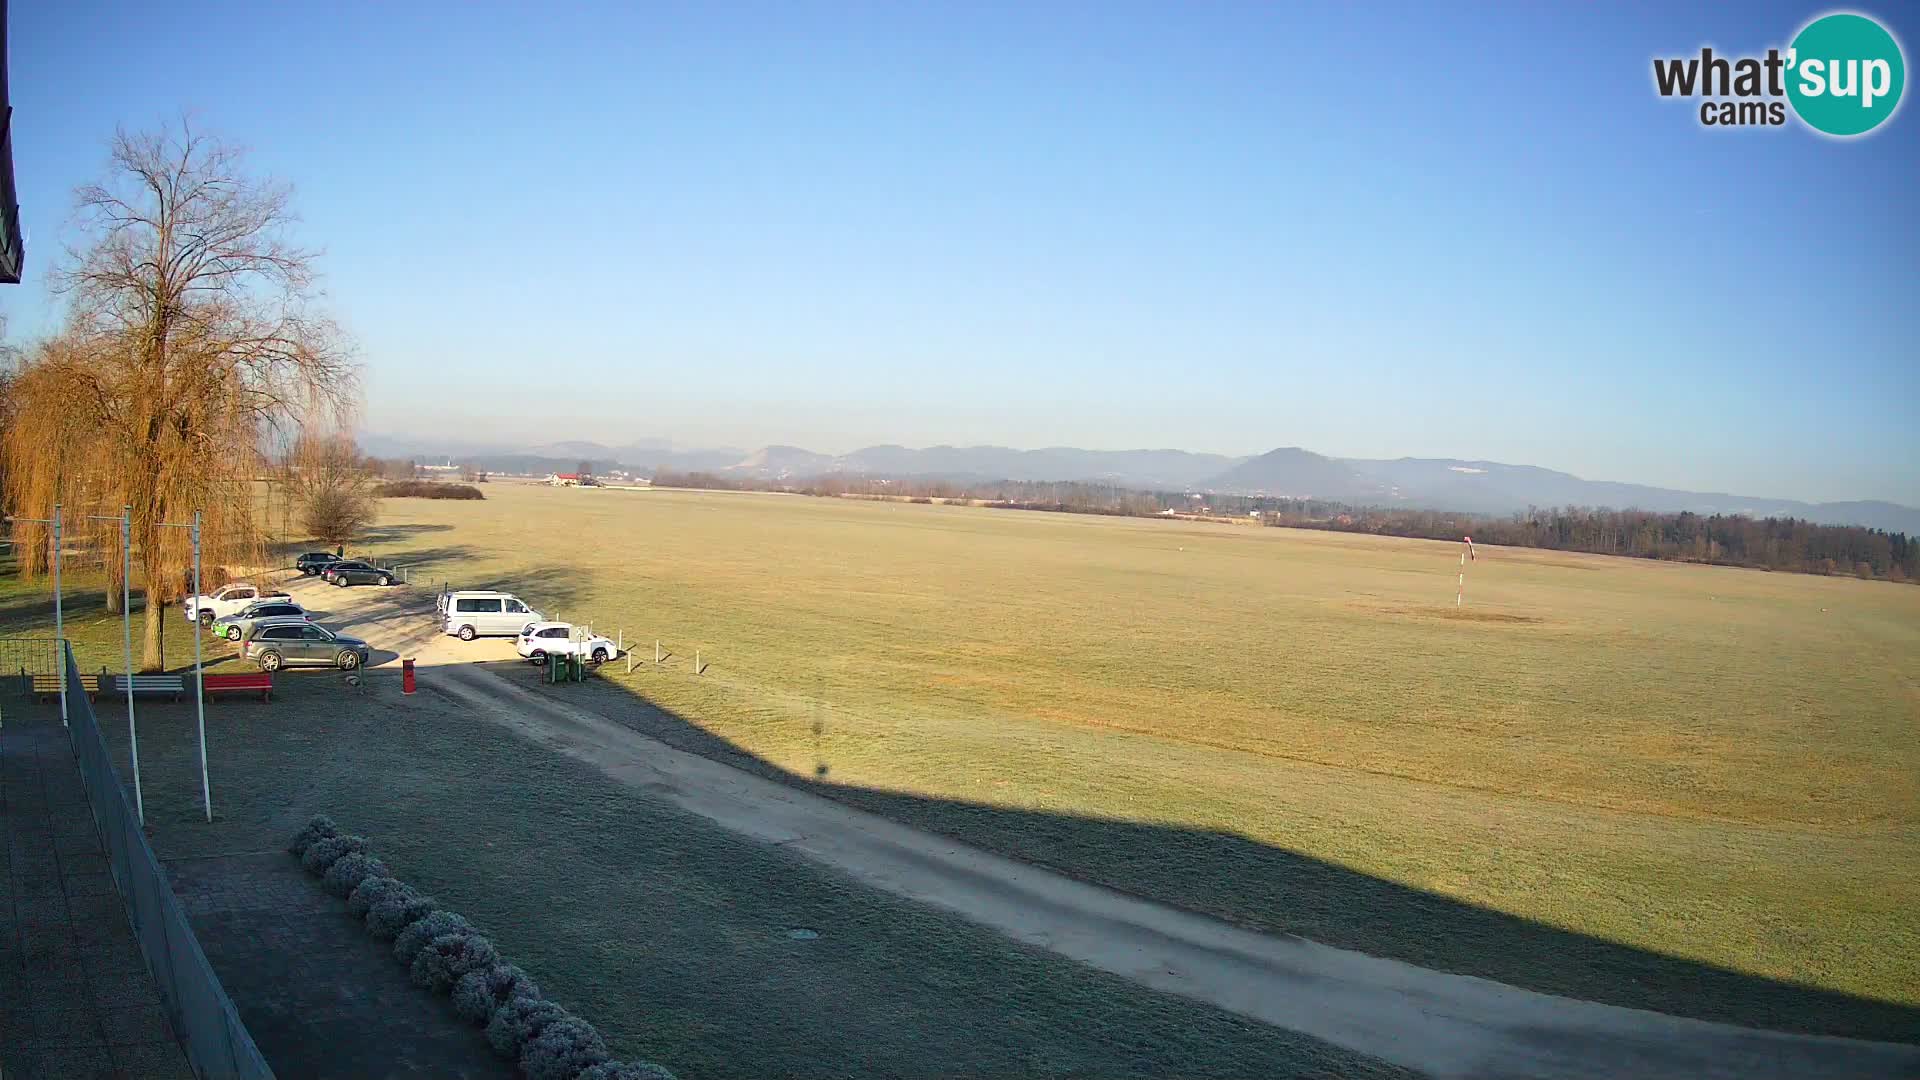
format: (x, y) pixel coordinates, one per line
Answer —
(76, 1001)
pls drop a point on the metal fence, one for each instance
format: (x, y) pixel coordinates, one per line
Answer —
(24, 657)
(217, 1043)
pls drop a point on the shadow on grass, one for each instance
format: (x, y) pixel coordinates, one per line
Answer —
(1271, 889)
(671, 934)
(390, 534)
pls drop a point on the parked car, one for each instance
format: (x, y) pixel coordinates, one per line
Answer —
(286, 642)
(473, 614)
(235, 626)
(313, 562)
(226, 600)
(544, 639)
(355, 572)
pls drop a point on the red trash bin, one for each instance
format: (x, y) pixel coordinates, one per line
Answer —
(406, 676)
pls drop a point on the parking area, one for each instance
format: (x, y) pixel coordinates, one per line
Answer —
(395, 622)
(402, 621)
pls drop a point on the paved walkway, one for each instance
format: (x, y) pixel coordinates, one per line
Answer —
(322, 997)
(76, 1001)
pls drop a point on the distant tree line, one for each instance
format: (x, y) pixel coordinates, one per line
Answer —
(1723, 539)
(1788, 544)
(392, 468)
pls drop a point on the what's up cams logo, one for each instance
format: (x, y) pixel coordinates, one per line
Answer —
(1842, 76)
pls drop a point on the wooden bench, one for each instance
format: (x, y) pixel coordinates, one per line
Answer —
(252, 680)
(47, 687)
(174, 685)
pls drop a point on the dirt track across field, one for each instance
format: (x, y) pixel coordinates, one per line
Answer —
(1443, 1024)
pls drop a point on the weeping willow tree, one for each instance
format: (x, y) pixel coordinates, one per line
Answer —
(191, 335)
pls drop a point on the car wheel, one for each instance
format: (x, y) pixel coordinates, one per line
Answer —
(466, 633)
(599, 656)
(349, 660)
(233, 633)
(206, 619)
(340, 580)
(270, 661)
(386, 579)
(538, 659)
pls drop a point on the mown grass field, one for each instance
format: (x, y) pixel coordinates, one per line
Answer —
(1708, 764)
(1687, 788)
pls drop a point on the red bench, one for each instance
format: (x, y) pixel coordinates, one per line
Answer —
(253, 680)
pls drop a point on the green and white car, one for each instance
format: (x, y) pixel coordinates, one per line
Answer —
(235, 626)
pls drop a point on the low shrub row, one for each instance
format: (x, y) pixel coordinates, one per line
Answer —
(427, 489)
(445, 953)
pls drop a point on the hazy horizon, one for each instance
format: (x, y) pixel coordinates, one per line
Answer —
(1372, 233)
(458, 446)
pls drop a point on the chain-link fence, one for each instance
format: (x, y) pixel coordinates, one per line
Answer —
(21, 658)
(217, 1043)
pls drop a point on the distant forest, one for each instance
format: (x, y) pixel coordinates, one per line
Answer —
(1788, 544)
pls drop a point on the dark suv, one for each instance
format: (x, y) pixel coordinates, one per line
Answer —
(275, 645)
(315, 561)
(354, 572)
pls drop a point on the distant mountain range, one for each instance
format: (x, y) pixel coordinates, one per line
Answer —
(1487, 487)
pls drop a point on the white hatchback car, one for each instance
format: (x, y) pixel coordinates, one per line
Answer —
(544, 639)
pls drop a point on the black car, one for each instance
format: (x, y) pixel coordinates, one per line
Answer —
(315, 561)
(354, 572)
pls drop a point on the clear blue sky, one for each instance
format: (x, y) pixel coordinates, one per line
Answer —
(1370, 231)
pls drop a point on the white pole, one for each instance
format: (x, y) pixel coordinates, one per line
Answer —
(126, 644)
(59, 618)
(199, 674)
(133, 733)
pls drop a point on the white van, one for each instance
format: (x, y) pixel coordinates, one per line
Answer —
(469, 615)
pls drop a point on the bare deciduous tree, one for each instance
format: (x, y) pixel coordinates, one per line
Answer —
(190, 334)
(330, 484)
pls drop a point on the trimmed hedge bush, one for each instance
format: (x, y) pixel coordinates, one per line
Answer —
(319, 827)
(398, 910)
(348, 871)
(372, 889)
(446, 959)
(408, 943)
(562, 1049)
(324, 853)
(443, 952)
(625, 1070)
(514, 1024)
(478, 993)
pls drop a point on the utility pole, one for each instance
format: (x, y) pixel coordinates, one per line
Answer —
(126, 644)
(59, 620)
(199, 671)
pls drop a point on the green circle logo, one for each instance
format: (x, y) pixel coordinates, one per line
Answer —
(1845, 74)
